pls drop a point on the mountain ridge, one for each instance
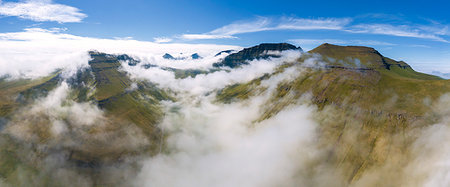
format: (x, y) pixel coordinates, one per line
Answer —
(261, 51)
(375, 97)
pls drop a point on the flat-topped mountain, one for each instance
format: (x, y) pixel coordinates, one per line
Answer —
(364, 58)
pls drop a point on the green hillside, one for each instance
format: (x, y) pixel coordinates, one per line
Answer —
(126, 107)
(367, 103)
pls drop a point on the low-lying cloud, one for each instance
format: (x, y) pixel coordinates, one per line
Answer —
(205, 142)
(38, 52)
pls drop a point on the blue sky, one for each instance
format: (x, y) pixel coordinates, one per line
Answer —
(415, 31)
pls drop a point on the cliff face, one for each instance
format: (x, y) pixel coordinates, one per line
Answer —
(262, 51)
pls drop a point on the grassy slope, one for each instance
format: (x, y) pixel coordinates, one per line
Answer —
(138, 107)
(363, 110)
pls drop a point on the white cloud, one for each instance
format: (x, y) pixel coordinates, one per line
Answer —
(205, 83)
(123, 38)
(314, 24)
(260, 24)
(434, 31)
(37, 52)
(42, 10)
(204, 36)
(316, 41)
(267, 24)
(214, 144)
(340, 42)
(395, 30)
(162, 39)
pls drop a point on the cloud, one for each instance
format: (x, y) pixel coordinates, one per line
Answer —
(204, 36)
(260, 24)
(208, 143)
(63, 131)
(124, 38)
(42, 10)
(395, 30)
(267, 24)
(205, 83)
(314, 24)
(433, 31)
(339, 42)
(37, 52)
(215, 144)
(441, 74)
(162, 39)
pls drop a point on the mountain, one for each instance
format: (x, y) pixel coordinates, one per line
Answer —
(224, 52)
(365, 57)
(440, 74)
(168, 56)
(131, 61)
(194, 56)
(127, 104)
(262, 51)
(371, 98)
(367, 107)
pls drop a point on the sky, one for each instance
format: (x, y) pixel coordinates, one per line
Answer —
(414, 31)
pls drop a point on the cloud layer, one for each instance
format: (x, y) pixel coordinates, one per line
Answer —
(38, 52)
(41, 10)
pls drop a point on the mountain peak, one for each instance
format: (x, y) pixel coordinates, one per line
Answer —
(361, 57)
(260, 51)
(347, 49)
(368, 56)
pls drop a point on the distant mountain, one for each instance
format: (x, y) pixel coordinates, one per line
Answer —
(168, 56)
(365, 107)
(440, 74)
(224, 52)
(194, 56)
(262, 51)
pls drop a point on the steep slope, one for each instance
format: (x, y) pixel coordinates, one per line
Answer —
(113, 93)
(262, 51)
(106, 117)
(97, 123)
(367, 104)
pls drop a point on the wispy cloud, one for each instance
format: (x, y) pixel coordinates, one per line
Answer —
(260, 24)
(337, 41)
(313, 24)
(432, 31)
(419, 45)
(123, 38)
(395, 30)
(267, 24)
(42, 10)
(204, 36)
(227, 31)
(162, 39)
